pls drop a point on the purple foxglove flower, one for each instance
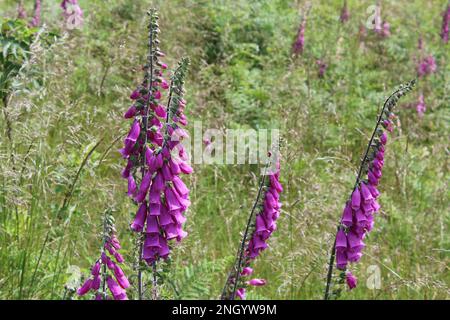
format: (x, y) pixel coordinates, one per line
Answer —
(123, 282)
(172, 201)
(130, 113)
(247, 271)
(167, 174)
(299, 43)
(421, 107)
(165, 218)
(143, 189)
(164, 249)
(96, 283)
(152, 224)
(347, 215)
(256, 282)
(354, 241)
(383, 138)
(356, 199)
(118, 257)
(139, 220)
(151, 240)
(341, 260)
(135, 95)
(351, 280)
(341, 241)
(96, 269)
(131, 186)
(160, 112)
(117, 292)
(241, 293)
(366, 194)
(85, 287)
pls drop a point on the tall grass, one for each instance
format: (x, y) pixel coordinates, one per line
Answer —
(243, 76)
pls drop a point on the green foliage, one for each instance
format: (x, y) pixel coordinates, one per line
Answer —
(241, 75)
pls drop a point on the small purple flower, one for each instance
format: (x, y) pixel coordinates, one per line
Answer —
(299, 43)
(256, 282)
(426, 66)
(351, 280)
(421, 107)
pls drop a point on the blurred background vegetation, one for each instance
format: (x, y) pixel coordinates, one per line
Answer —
(60, 169)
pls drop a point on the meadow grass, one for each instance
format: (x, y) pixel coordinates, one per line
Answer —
(66, 134)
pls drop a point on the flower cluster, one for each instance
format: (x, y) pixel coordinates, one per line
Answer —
(421, 107)
(426, 66)
(445, 24)
(358, 215)
(154, 137)
(345, 15)
(299, 43)
(36, 21)
(72, 12)
(264, 226)
(382, 28)
(266, 220)
(109, 260)
(21, 13)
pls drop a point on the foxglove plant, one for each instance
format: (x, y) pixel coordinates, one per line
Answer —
(106, 271)
(445, 24)
(299, 43)
(259, 228)
(358, 215)
(36, 21)
(421, 107)
(155, 158)
(345, 14)
(382, 28)
(72, 11)
(426, 66)
(21, 13)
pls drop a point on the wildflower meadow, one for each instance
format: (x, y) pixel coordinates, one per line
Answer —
(224, 150)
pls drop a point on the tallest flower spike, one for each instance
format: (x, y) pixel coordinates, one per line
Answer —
(358, 215)
(151, 171)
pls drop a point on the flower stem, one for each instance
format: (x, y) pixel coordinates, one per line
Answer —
(244, 238)
(145, 123)
(362, 165)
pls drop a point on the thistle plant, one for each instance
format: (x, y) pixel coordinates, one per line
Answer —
(260, 225)
(106, 272)
(156, 158)
(359, 211)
